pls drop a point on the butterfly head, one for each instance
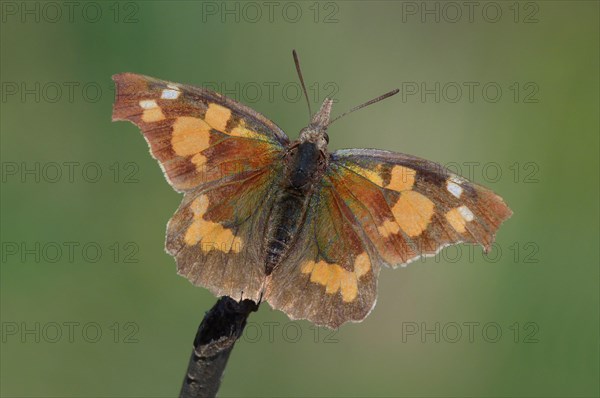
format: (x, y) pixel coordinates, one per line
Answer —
(316, 131)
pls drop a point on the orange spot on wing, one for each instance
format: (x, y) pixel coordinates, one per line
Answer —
(199, 160)
(199, 206)
(413, 212)
(213, 235)
(459, 217)
(320, 273)
(389, 227)
(372, 175)
(456, 221)
(193, 234)
(307, 267)
(242, 131)
(349, 287)
(402, 179)
(362, 264)
(190, 135)
(152, 115)
(217, 116)
(335, 278)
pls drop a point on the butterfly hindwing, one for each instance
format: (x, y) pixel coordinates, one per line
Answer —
(329, 277)
(213, 234)
(226, 158)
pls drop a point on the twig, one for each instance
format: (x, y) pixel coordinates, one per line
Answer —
(216, 336)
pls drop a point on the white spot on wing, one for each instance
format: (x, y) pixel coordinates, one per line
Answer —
(169, 93)
(466, 213)
(148, 104)
(454, 188)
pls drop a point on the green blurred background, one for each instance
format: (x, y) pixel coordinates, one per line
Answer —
(539, 288)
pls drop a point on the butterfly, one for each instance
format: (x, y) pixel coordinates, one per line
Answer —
(288, 222)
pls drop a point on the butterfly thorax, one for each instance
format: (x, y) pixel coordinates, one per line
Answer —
(305, 163)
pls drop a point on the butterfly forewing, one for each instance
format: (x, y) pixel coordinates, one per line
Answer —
(227, 159)
(198, 136)
(409, 207)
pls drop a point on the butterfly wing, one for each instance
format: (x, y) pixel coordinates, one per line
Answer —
(215, 234)
(410, 207)
(376, 208)
(225, 157)
(330, 276)
(197, 135)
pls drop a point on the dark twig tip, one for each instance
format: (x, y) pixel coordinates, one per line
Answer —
(221, 327)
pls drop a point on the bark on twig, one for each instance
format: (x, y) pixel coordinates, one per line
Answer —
(216, 336)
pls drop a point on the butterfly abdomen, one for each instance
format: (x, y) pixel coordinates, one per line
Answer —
(290, 209)
(286, 223)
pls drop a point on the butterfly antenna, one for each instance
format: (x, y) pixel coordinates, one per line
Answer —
(297, 62)
(374, 100)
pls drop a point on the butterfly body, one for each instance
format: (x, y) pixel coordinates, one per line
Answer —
(305, 163)
(305, 230)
